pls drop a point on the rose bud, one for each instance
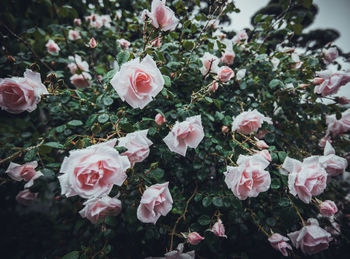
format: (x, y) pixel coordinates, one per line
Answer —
(194, 238)
(261, 144)
(92, 43)
(213, 87)
(159, 119)
(342, 100)
(26, 197)
(328, 208)
(279, 242)
(265, 154)
(218, 229)
(225, 74)
(224, 129)
(77, 21)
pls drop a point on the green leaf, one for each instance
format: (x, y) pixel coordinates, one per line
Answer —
(204, 220)
(30, 155)
(123, 57)
(54, 145)
(48, 173)
(157, 174)
(284, 202)
(188, 44)
(167, 81)
(103, 118)
(275, 183)
(206, 201)
(91, 120)
(71, 255)
(75, 123)
(274, 83)
(218, 202)
(282, 156)
(107, 100)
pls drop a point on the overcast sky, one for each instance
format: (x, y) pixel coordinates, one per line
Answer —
(332, 14)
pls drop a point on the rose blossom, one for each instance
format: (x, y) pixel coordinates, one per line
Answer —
(249, 121)
(210, 63)
(240, 74)
(138, 82)
(161, 16)
(74, 35)
(328, 208)
(77, 62)
(100, 208)
(19, 94)
(228, 57)
(261, 144)
(77, 21)
(329, 55)
(26, 197)
(92, 43)
(159, 119)
(218, 229)
(275, 62)
(123, 43)
(340, 126)
(106, 20)
(333, 164)
(249, 178)
(25, 172)
(224, 129)
(225, 74)
(156, 201)
(324, 140)
(157, 42)
(279, 242)
(52, 47)
(177, 254)
(183, 134)
(137, 145)
(328, 83)
(92, 171)
(194, 238)
(240, 37)
(265, 154)
(305, 179)
(213, 87)
(81, 80)
(311, 239)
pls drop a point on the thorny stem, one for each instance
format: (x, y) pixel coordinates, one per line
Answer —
(297, 210)
(21, 151)
(182, 216)
(253, 215)
(240, 144)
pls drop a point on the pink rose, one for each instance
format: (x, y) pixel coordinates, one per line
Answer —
(210, 63)
(92, 43)
(311, 239)
(241, 74)
(52, 47)
(138, 82)
(156, 201)
(137, 145)
(19, 94)
(265, 154)
(95, 21)
(26, 197)
(77, 21)
(333, 164)
(305, 179)
(106, 20)
(218, 229)
(179, 254)
(91, 172)
(159, 119)
(99, 208)
(328, 208)
(329, 55)
(324, 140)
(81, 80)
(241, 37)
(225, 74)
(194, 238)
(157, 42)
(123, 43)
(24, 172)
(279, 242)
(74, 35)
(249, 121)
(261, 144)
(342, 100)
(161, 16)
(228, 57)
(183, 134)
(249, 178)
(337, 127)
(214, 86)
(77, 62)
(224, 129)
(331, 82)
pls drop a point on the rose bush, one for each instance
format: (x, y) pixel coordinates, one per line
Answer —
(148, 129)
